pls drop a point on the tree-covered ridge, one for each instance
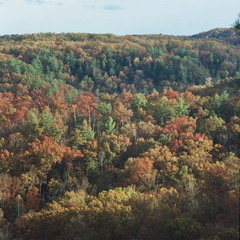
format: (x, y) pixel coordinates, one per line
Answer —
(108, 63)
(93, 147)
(221, 34)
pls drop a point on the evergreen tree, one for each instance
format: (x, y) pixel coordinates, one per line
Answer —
(86, 131)
(236, 24)
(109, 126)
(182, 108)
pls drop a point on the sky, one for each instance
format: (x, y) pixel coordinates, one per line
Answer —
(172, 17)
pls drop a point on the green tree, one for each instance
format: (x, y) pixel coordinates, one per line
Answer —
(71, 62)
(77, 140)
(138, 105)
(104, 109)
(32, 125)
(48, 125)
(236, 24)
(86, 131)
(109, 126)
(164, 111)
(182, 107)
(37, 65)
(87, 84)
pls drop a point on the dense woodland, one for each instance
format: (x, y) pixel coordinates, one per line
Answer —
(120, 137)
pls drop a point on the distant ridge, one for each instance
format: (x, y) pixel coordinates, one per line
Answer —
(226, 34)
(229, 35)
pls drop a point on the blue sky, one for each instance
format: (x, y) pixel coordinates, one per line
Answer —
(174, 17)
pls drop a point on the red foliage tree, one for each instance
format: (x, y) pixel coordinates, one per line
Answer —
(32, 199)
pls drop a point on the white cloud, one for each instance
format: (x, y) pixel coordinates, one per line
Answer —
(37, 1)
(55, 2)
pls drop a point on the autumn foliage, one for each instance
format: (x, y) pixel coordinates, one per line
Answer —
(119, 137)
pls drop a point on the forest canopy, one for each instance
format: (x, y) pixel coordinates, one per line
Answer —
(120, 137)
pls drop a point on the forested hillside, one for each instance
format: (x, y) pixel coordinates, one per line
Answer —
(120, 137)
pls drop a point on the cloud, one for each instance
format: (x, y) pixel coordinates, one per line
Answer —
(44, 2)
(112, 7)
(37, 1)
(108, 7)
